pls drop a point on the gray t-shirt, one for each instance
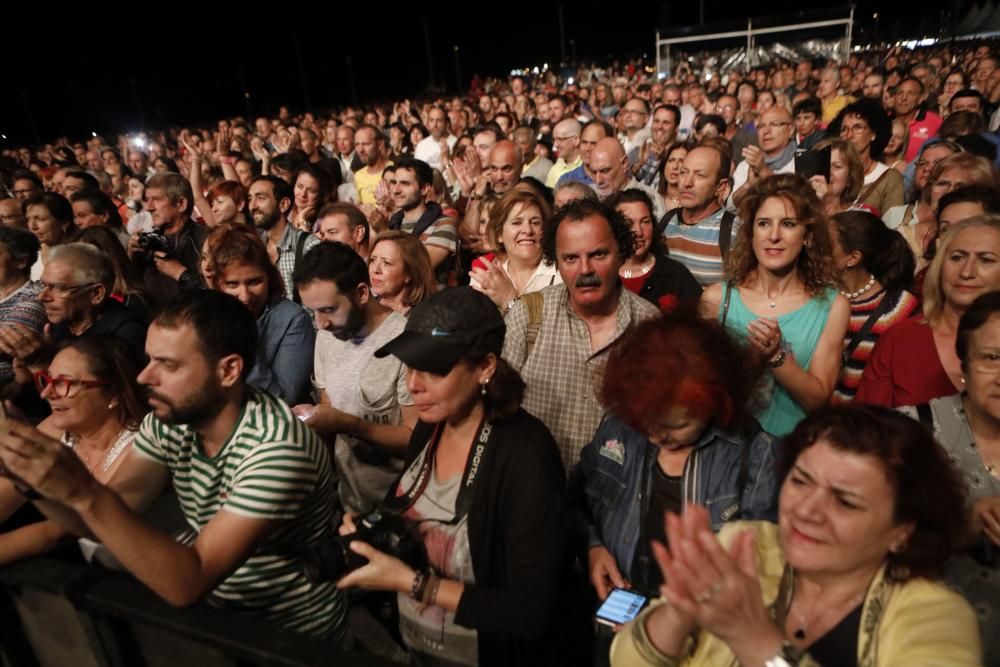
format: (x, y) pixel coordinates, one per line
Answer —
(431, 631)
(373, 389)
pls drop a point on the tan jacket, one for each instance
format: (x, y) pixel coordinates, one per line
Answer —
(919, 623)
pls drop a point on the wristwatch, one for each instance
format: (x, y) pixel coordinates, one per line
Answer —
(510, 304)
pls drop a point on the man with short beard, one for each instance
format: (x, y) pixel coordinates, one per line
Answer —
(411, 186)
(270, 201)
(365, 409)
(369, 142)
(254, 482)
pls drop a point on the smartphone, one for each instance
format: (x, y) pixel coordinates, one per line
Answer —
(620, 607)
(813, 163)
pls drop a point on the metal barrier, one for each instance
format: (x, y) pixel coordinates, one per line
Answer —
(54, 613)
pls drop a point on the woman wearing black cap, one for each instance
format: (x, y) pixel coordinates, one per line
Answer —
(484, 483)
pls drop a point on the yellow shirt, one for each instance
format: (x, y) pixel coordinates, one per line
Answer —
(918, 623)
(365, 183)
(835, 106)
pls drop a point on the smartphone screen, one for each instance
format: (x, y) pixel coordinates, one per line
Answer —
(620, 607)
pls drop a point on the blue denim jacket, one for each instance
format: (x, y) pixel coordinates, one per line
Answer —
(612, 484)
(286, 340)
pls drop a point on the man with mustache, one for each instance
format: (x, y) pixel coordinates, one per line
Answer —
(562, 356)
(365, 409)
(254, 482)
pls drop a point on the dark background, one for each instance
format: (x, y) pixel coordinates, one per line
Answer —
(157, 64)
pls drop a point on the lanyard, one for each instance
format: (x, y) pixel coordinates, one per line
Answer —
(464, 500)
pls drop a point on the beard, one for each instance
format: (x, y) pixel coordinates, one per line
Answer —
(351, 329)
(196, 408)
(263, 220)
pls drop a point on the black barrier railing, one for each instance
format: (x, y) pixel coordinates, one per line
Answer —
(54, 613)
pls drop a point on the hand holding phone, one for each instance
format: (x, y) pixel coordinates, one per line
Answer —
(620, 607)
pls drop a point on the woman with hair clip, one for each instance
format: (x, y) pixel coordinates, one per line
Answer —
(484, 487)
(915, 361)
(874, 267)
(780, 298)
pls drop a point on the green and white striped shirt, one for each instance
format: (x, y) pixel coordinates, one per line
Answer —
(273, 467)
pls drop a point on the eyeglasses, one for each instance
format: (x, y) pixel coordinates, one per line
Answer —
(985, 362)
(555, 138)
(61, 385)
(853, 129)
(62, 289)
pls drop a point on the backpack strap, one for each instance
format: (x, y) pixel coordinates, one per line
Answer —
(533, 301)
(887, 301)
(661, 226)
(727, 287)
(726, 233)
(300, 246)
(907, 215)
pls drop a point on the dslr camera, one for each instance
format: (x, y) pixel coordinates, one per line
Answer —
(389, 533)
(154, 241)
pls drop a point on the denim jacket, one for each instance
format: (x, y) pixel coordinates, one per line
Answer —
(612, 485)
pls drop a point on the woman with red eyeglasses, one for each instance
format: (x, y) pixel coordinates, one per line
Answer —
(96, 408)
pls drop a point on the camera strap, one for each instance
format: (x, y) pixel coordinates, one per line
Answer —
(463, 502)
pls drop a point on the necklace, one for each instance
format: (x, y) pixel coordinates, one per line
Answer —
(110, 456)
(802, 631)
(991, 468)
(641, 271)
(851, 296)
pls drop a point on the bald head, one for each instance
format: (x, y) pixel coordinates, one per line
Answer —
(608, 164)
(505, 164)
(775, 129)
(566, 137)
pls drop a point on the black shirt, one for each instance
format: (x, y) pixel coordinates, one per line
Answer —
(666, 494)
(839, 647)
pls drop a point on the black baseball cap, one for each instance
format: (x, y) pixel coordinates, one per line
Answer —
(448, 326)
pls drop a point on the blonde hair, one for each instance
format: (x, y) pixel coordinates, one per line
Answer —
(934, 298)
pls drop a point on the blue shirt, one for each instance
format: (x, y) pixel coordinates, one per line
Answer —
(579, 174)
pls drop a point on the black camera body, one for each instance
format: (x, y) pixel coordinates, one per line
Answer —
(154, 241)
(387, 532)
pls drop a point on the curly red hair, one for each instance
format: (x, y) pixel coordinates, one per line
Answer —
(679, 360)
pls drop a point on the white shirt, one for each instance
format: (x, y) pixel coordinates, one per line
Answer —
(543, 276)
(743, 172)
(429, 150)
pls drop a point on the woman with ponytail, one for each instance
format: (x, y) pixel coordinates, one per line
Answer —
(874, 266)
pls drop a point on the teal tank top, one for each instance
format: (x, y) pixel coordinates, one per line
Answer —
(777, 411)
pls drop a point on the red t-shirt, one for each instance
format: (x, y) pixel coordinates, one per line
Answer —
(921, 129)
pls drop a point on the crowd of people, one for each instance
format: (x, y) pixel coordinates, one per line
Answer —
(720, 338)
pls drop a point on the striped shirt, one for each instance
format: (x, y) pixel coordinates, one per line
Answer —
(850, 373)
(273, 467)
(697, 246)
(21, 307)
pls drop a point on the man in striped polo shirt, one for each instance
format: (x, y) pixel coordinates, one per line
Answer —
(694, 232)
(254, 483)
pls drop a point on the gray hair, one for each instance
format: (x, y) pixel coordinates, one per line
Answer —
(90, 265)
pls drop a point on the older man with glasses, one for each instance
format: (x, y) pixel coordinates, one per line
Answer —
(566, 141)
(774, 155)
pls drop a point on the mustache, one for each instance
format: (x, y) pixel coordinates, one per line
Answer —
(588, 280)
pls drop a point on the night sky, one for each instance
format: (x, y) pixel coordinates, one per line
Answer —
(189, 67)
